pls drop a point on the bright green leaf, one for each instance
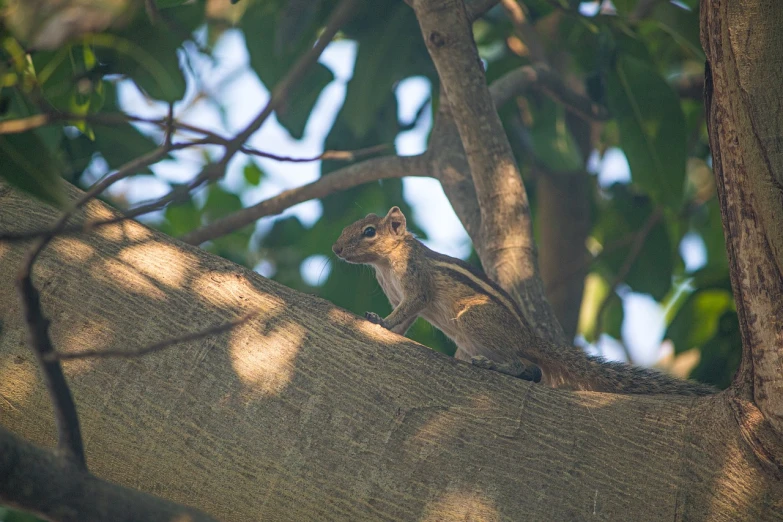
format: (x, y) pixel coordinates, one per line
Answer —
(253, 173)
(182, 218)
(652, 129)
(697, 319)
(220, 203)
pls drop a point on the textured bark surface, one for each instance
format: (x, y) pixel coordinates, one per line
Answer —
(310, 413)
(744, 46)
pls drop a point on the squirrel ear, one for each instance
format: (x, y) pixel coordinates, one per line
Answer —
(396, 221)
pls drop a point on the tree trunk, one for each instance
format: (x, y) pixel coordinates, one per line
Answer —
(308, 412)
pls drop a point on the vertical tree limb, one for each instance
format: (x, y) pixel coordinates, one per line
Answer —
(507, 251)
(744, 48)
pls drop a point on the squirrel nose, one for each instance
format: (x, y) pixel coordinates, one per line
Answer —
(337, 249)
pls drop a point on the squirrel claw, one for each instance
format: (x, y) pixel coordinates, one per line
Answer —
(374, 318)
(515, 369)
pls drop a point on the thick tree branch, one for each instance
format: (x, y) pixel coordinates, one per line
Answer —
(276, 421)
(386, 167)
(508, 252)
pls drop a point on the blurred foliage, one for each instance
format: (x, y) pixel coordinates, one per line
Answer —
(11, 515)
(631, 67)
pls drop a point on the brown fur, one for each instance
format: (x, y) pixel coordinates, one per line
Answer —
(481, 318)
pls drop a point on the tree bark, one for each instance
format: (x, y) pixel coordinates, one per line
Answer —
(309, 413)
(744, 47)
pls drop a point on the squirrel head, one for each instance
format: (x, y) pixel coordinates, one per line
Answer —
(372, 239)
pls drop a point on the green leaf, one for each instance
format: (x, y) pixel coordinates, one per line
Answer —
(619, 222)
(121, 143)
(652, 129)
(271, 64)
(697, 319)
(182, 218)
(28, 166)
(220, 203)
(553, 143)
(147, 52)
(682, 25)
(390, 53)
(721, 355)
(253, 173)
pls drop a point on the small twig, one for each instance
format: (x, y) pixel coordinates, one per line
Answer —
(630, 259)
(339, 155)
(162, 345)
(169, 134)
(386, 167)
(69, 438)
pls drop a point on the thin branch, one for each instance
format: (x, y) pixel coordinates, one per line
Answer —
(157, 347)
(169, 125)
(338, 18)
(386, 167)
(69, 437)
(630, 259)
(523, 79)
(338, 155)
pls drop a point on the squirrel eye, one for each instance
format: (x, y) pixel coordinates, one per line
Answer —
(368, 232)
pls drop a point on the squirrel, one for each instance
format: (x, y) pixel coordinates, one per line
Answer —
(480, 317)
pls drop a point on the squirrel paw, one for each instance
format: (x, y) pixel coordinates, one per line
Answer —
(375, 318)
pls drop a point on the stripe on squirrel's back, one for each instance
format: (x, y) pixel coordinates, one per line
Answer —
(485, 284)
(480, 286)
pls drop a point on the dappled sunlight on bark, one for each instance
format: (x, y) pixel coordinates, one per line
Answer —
(71, 250)
(462, 505)
(18, 380)
(125, 278)
(227, 290)
(265, 362)
(123, 231)
(165, 264)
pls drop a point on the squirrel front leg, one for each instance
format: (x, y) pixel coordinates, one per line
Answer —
(402, 317)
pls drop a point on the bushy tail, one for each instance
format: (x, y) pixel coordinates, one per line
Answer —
(570, 367)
